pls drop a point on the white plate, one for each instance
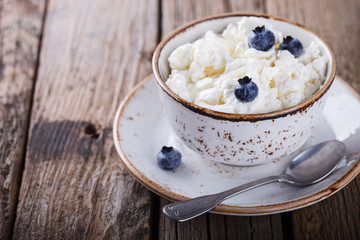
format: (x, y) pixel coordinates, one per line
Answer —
(140, 130)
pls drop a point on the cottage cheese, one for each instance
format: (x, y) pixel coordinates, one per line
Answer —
(206, 72)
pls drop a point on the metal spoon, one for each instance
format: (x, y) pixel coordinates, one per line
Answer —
(309, 167)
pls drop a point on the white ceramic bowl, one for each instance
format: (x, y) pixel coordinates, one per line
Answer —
(239, 139)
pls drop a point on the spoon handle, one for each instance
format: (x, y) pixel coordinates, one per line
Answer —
(188, 209)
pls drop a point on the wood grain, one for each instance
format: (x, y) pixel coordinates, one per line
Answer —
(74, 186)
(92, 54)
(167, 227)
(339, 216)
(254, 6)
(20, 30)
(175, 14)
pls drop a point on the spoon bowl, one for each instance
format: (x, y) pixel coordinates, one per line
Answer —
(309, 167)
(314, 164)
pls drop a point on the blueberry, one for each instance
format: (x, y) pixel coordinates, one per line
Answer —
(293, 45)
(247, 90)
(261, 39)
(169, 158)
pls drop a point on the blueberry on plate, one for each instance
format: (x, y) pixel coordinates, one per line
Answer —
(247, 90)
(293, 45)
(261, 39)
(168, 158)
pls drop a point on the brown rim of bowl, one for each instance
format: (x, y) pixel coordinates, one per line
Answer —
(223, 208)
(233, 116)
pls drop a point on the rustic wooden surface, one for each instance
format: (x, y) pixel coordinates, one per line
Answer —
(20, 33)
(66, 65)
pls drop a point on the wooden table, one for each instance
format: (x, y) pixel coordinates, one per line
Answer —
(66, 65)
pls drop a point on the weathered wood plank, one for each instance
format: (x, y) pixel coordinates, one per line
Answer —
(74, 186)
(20, 31)
(254, 6)
(238, 227)
(174, 14)
(266, 227)
(336, 22)
(167, 227)
(193, 229)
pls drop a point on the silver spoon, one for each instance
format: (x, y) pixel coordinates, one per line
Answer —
(310, 166)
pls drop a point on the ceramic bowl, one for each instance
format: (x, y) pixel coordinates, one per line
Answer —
(239, 139)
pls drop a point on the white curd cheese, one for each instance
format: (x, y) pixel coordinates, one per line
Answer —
(206, 72)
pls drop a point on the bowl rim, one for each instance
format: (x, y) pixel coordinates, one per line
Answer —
(235, 116)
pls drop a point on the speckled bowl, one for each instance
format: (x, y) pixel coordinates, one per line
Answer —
(239, 139)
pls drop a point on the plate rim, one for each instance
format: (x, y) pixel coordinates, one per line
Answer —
(224, 208)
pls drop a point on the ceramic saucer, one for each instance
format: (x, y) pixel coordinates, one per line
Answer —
(140, 130)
